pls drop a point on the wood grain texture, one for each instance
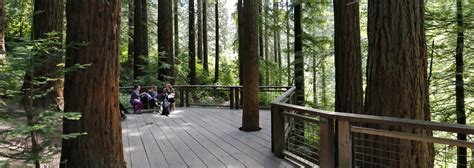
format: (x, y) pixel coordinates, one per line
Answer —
(198, 137)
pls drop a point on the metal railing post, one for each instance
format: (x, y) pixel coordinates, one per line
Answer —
(326, 155)
(181, 97)
(344, 143)
(231, 97)
(187, 90)
(278, 131)
(238, 93)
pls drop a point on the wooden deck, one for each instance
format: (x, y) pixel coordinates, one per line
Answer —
(197, 137)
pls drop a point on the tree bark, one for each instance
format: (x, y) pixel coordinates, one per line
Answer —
(315, 81)
(240, 34)
(216, 64)
(460, 107)
(205, 55)
(140, 39)
(299, 58)
(48, 18)
(93, 91)
(192, 45)
(176, 37)
(250, 118)
(131, 23)
(43, 73)
(3, 51)
(260, 40)
(348, 60)
(275, 38)
(288, 49)
(199, 30)
(165, 40)
(397, 78)
(265, 41)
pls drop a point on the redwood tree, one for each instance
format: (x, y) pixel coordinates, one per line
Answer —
(199, 30)
(460, 106)
(349, 96)
(2, 33)
(250, 118)
(93, 91)
(192, 45)
(397, 78)
(140, 36)
(48, 18)
(43, 73)
(176, 34)
(299, 58)
(240, 38)
(130, 34)
(205, 52)
(216, 64)
(165, 40)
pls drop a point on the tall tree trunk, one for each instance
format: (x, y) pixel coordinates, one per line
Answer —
(348, 60)
(260, 39)
(3, 51)
(239, 32)
(176, 37)
(216, 64)
(250, 118)
(299, 58)
(94, 90)
(315, 81)
(205, 55)
(324, 84)
(48, 18)
(140, 36)
(460, 107)
(288, 49)
(397, 78)
(275, 36)
(131, 36)
(192, 45)
(265, 25)
(165, 40)
(199, 30)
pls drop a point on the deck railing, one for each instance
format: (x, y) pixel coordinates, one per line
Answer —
(333, 139)
(215, 95)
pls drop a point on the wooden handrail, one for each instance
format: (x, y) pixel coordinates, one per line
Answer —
(345, 128)
(213, 86)
(382, 120)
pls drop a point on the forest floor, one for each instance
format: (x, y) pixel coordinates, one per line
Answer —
(7, 142)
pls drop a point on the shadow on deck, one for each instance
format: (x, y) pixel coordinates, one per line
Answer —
(197, 137)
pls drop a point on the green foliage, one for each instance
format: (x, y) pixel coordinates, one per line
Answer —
(41, 125)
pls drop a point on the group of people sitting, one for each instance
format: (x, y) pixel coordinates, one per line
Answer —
(161, 102)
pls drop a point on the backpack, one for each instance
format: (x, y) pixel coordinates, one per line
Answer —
(166, 106)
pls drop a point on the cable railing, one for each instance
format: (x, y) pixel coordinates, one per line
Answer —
(318, 138)
(212, 95)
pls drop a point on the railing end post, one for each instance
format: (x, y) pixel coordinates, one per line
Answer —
(278, 131)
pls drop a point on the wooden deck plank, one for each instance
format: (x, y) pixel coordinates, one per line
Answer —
(264, 123)
(126, 146)
(137, 150)
(227, 148)
(171, 156)
(208, 158)
(152, 149)
(189, 157)
(232, 126)
(197, 137)
(239, 140)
